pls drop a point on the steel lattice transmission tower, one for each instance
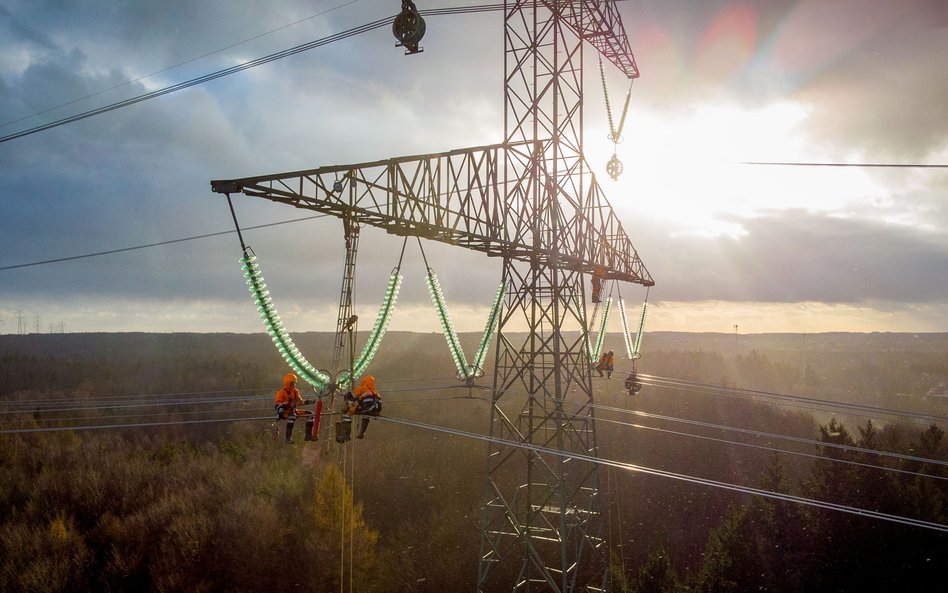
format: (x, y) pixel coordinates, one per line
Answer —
(532, 201)
(543, 531)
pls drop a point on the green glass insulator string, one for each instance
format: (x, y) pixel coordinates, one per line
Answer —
(447, 327)
(381, 323)
(478, 365)
(638, 336)
(278, 334)
(626, 336)
(590, 349)
(601, 338)
(344, 381)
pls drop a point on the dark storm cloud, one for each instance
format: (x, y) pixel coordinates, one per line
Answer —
(795, 256)
(141, 174)
(15, 30)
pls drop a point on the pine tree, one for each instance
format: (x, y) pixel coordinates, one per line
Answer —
(343, 541)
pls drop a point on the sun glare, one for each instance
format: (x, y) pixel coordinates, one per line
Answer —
(688, 172)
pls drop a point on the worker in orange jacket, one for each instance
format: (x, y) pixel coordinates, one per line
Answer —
(287, 402)
(597, 277)
(606, 363)
(364, 400)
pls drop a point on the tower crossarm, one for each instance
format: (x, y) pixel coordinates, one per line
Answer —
(457, 197)
(599, 23)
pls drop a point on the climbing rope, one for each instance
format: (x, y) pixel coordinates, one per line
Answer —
(352, 470)
(342, 522)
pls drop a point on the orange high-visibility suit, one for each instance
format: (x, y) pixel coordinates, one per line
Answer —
(606, 363)
(364, 400)
(286, 402)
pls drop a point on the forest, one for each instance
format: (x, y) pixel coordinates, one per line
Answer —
(103, 490)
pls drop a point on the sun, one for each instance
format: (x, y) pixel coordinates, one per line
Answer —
(687, 173)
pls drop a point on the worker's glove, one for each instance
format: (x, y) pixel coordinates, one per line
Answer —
(307, 402)
(349, 395)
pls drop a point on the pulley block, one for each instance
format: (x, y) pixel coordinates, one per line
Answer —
(408, 28)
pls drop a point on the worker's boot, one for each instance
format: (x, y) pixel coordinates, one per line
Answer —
(362, 426)
(310, 423)
(289, 433)
(343, 431)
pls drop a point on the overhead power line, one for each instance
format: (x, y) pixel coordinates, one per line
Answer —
(874, 411)
(545, 450)
(199, 80)
(759, 434)
(858, 165)
(129, 425)
(241, 67)
(538, 449)
(158, 244)
(771, 449)
(179, 64)
(676, 476)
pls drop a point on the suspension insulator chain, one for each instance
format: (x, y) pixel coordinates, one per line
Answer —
(605, 93)
(614, 167)
(626, 337)
(477, 367)
(344, 381)
(450, 335)
(278, 334)
(638, 336)
(601, 338)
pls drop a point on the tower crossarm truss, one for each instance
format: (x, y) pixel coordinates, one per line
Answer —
(459, 197)
(599, 23)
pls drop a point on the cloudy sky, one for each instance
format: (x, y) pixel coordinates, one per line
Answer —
(766, 248)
